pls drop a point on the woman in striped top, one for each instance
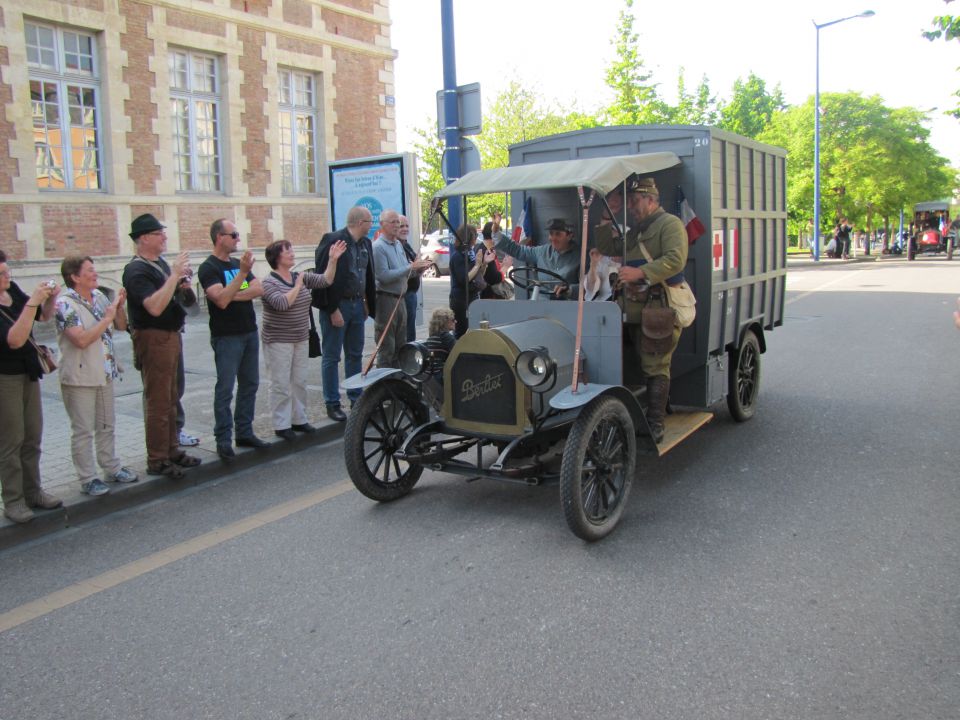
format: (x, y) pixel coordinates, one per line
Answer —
(285, 330)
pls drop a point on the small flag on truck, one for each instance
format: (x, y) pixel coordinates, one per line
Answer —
(690, 220)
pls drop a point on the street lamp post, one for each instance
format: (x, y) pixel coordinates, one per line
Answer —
(816, 134)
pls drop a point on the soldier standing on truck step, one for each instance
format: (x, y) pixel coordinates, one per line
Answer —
(664, 239)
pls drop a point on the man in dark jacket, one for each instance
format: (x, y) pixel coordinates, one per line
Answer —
(345, 306)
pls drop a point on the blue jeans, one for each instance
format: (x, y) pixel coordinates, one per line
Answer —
(411, 300)
(347, 340)
(238, 361)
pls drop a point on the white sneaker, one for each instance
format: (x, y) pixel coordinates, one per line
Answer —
(187, 440)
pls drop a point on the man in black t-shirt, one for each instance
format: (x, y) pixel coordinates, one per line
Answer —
(231, 288)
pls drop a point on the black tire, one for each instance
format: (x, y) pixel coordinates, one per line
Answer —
(431, 272)
(377, 426)
(744, 378)
(599, 462)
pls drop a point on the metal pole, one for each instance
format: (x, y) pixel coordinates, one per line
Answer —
(816, 158)
(451, 133)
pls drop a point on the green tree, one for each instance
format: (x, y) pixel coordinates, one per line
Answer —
(948, 28)
(874, 160)
(751, 107)
(635, 97)
(699, 108)
(429, 150)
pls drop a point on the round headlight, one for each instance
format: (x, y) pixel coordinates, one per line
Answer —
(535, 367)
(414, 360)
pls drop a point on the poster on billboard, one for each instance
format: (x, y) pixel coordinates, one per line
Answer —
(376, 183)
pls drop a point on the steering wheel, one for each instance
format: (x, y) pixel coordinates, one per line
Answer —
(531, 279)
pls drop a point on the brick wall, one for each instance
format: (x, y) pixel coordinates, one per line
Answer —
(79, 230)
(139, 108)
(194, 222)
(305, 224)
(260, 236)
(9, 167)
(296, 45)
(188, 21)
(254, 7)
(349, 26)
(358, 111)
(298, 12)
(254, 118)
(15, 248)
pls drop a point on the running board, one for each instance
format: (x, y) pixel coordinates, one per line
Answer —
(679, 426)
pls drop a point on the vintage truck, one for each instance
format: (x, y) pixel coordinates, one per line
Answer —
(534, 392)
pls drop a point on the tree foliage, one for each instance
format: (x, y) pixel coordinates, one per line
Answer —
(874, 160)
(698, 108)
(948, 28)
(751, 107)
(636, 101)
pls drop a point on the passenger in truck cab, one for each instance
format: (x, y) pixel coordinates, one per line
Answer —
(561, 255)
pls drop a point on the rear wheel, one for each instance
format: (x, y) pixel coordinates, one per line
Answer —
(431, 272)
(599, 461)
(378, 425)
(744, 378)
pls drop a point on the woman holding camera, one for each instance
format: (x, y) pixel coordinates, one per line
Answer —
(21, 412)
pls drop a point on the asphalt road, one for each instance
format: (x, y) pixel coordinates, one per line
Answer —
(801, 565)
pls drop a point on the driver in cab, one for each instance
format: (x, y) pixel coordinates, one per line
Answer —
(560, 256)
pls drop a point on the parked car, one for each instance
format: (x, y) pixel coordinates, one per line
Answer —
(435, 247)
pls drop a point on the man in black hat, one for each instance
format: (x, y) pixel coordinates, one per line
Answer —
(561, 255)
(655, 252)
(155, 319)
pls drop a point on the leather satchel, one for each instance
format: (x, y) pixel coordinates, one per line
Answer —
(680, 298)
(656, 329)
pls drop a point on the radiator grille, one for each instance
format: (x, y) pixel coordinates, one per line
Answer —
(483, 389)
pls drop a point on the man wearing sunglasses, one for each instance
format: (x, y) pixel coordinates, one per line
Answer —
(231, 288)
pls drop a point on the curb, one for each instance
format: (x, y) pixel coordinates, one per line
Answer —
(79, 508)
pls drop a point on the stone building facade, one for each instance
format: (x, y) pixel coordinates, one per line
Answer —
(187, 109)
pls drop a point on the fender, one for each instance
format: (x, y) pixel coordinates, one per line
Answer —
(566, 399)
(361, 381)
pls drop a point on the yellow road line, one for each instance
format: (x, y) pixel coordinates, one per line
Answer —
(85, 588)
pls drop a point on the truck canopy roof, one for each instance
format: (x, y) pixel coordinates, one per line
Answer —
(602, 174)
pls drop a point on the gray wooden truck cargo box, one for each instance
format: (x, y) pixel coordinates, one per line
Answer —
(737, 268)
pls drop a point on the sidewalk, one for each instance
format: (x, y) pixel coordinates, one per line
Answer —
(56, 466)
(794, 261)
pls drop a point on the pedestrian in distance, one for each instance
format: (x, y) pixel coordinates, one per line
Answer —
(345, 306)
(286, 331)
(88, 369)
(21, 411)
(231, 288)
(156, 295)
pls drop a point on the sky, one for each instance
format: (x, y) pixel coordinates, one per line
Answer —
(561, 51)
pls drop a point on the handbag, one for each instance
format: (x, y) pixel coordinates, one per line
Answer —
(48, 361)
(680, 298)
(313, 338)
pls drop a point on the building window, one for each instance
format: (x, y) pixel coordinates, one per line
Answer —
(195, 112)
(298, 132)
(64, 93)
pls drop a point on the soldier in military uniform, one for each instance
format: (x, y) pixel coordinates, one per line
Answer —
(665, 240)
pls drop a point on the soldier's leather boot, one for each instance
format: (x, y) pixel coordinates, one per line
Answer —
(658, 390)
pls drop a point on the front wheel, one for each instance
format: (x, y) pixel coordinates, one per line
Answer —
(744, 379)
(431, 272)
(599, 461)
(379, 423)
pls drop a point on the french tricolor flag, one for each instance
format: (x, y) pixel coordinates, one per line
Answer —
(522, 230)
(690, 220)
